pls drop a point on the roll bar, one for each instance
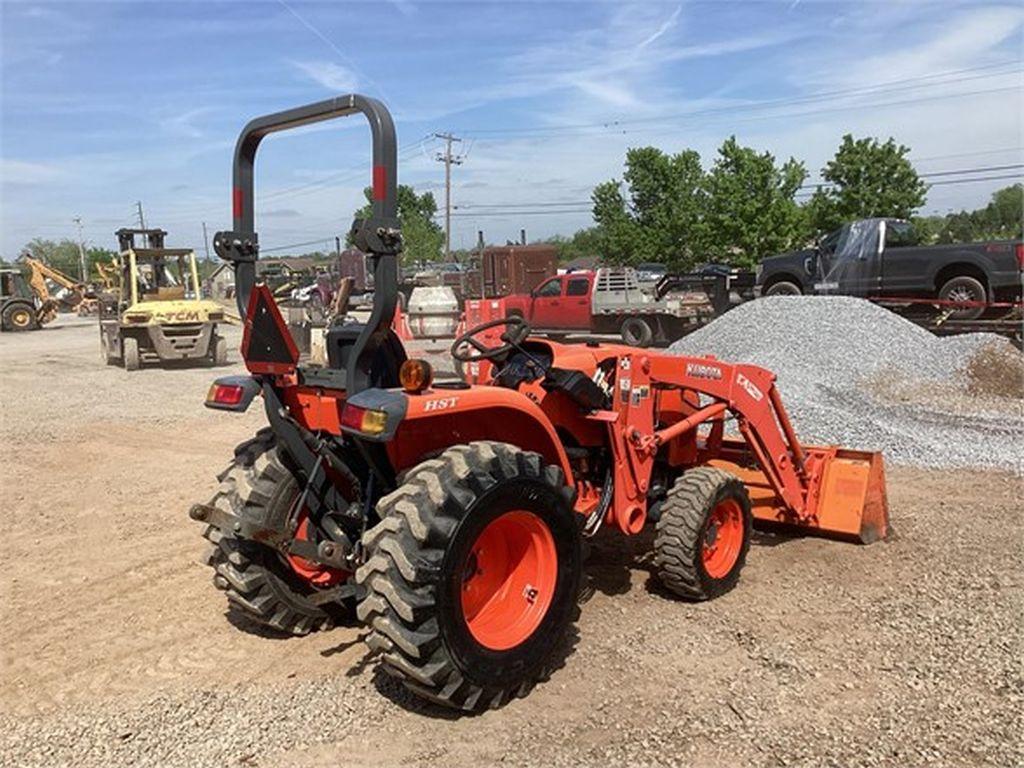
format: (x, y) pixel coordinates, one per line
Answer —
(379, 236)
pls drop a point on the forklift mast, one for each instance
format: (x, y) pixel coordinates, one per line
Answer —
(151, 238)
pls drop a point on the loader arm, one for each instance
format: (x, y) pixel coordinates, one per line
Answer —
(830, 489)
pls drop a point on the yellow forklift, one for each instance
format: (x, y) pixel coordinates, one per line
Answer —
(157, 313)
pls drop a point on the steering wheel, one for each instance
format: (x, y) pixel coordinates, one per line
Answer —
(518, 330)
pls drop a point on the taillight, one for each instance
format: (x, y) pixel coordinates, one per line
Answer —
(365, 420)
(1020, 256)
(225, 394)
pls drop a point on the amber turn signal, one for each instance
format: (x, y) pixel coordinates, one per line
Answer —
(415, 375)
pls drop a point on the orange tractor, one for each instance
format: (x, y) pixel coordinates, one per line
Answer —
(451, 514)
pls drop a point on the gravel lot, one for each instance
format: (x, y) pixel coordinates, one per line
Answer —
(117, 650)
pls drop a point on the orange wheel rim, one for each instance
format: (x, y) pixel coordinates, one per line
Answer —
(316, 574)
(508, 580)
(723, 538)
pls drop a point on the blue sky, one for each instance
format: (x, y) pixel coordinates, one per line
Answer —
(104, 104)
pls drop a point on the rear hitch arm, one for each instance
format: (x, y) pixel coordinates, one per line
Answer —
(334, 554)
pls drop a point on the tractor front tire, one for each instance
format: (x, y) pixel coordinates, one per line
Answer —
(130, 354)
(258, 581)
(703, 534)
(471, 577)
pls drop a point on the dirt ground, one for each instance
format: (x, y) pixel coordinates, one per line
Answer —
(118, 650)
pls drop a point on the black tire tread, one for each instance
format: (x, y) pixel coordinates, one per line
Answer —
(240, 567)
(404, 555)
(677, 538)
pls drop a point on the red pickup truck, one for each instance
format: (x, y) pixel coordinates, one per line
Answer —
(604, 301)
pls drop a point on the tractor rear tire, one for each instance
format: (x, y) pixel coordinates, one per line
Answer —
(703, 534)
(472, 576)
(19, 317)
(130, 354)
(258, 581)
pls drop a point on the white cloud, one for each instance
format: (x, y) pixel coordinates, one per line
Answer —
(332, 76)
(966, 39)
(183, 123)
(24, 172)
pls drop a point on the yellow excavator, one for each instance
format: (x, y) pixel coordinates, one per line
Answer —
(78, 294)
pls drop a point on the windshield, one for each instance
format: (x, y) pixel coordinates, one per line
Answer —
(164, 278)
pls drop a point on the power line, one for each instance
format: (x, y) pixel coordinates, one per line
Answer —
(979, 178)
(328, 239)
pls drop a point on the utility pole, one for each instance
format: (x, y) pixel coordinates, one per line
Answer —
(449, 160)
(206, 241)
(83, 272)
(142, 220)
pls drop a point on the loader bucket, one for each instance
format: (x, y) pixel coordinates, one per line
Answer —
(852, 501)
(846, 501)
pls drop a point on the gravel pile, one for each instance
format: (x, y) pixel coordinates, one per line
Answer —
(855, 374)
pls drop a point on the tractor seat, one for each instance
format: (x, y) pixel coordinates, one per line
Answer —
(580, 388)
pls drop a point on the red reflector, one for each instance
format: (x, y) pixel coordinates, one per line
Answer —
(225, 394)
(236, 200)
(380, 177)
(352, 417)
(1020, 256)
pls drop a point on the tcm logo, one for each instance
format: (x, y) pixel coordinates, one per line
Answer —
(183, 316)
(748, 385)
(701, 371)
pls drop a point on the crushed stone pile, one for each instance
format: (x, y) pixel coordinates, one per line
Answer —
(857, 375)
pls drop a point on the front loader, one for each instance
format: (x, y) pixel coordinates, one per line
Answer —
(451, 515)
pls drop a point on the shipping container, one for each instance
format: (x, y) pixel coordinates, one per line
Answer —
(511, 269)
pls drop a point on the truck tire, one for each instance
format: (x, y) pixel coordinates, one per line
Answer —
(637, 332)
(220, 351)
(471, 577)
(19, 317)
(964, 288)
(783, 288)
(262, 584)
(130, 354)
(703, 534)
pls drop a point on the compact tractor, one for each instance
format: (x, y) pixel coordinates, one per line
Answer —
(452, 515)
(156, 311)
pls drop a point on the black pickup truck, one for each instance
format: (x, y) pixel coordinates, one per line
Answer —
(882, 258)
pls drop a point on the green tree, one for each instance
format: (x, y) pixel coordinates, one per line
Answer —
(662, 217)
(751, 211)
(866, 178)
(585, 242)
(64, 256)
(1003, 217)
(422, 237)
